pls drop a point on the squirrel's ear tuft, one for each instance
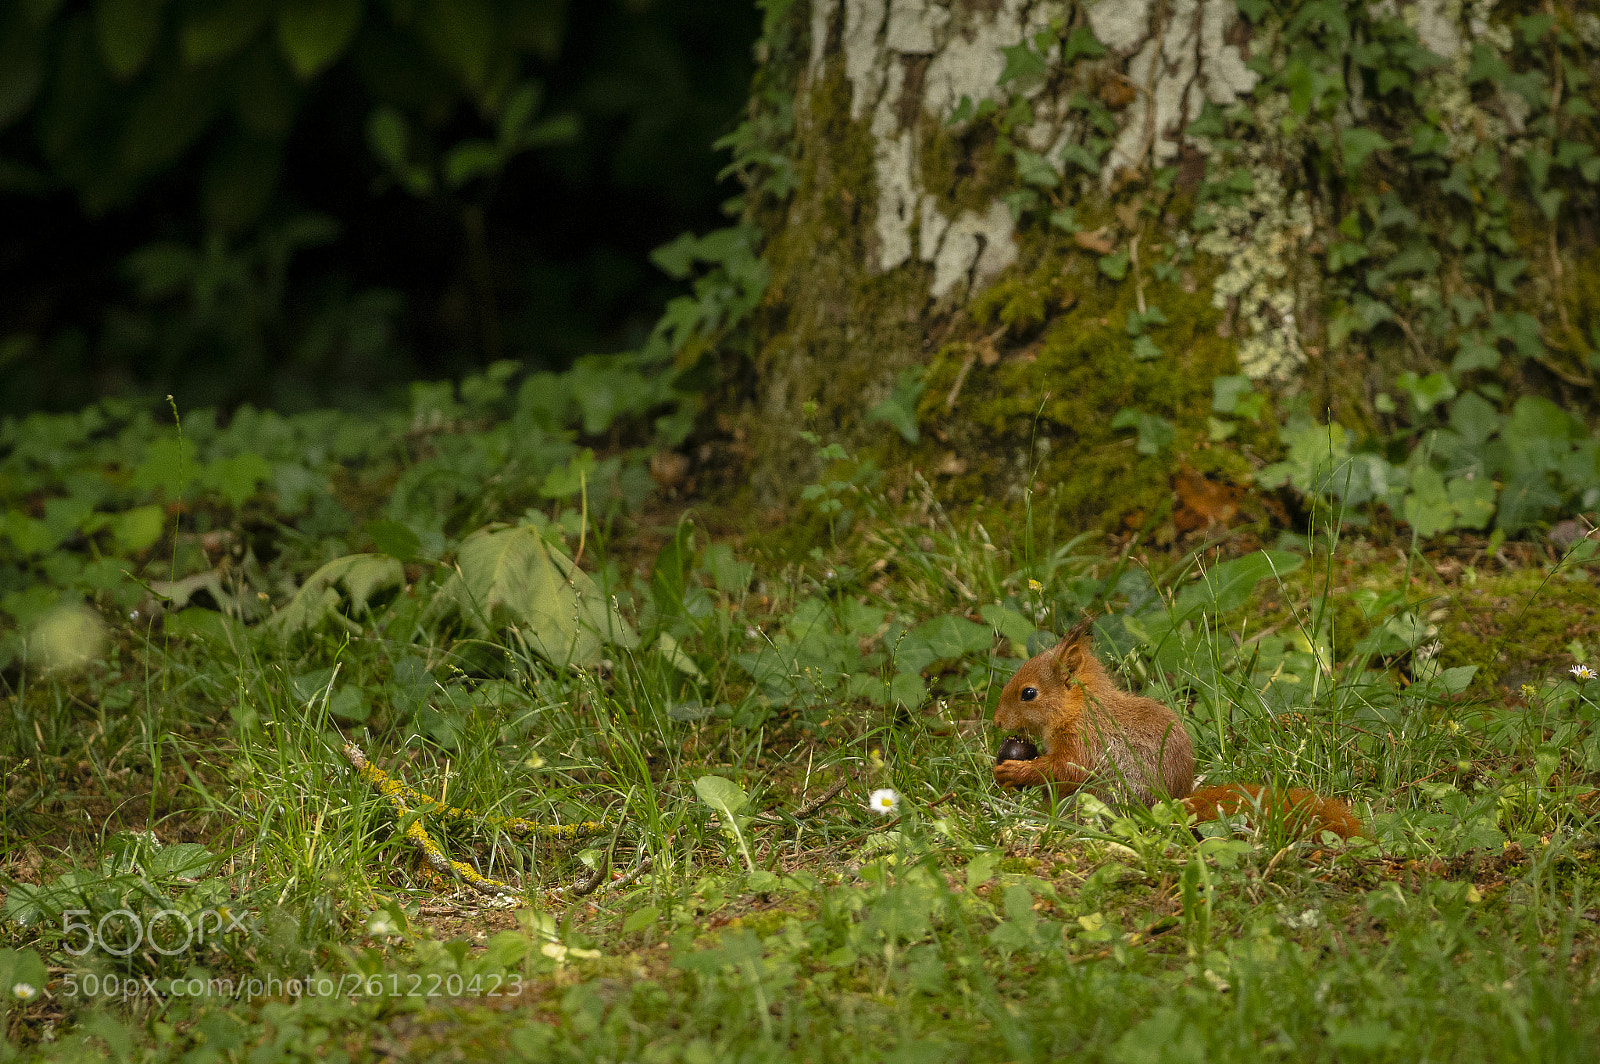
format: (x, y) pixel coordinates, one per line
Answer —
(1075, 648)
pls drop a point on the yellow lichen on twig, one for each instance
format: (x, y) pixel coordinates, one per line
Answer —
(406, 801)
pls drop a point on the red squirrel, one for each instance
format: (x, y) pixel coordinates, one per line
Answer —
(1124, 748)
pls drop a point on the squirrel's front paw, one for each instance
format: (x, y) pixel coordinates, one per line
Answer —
(1016, 774)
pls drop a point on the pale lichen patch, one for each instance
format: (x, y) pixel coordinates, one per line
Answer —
(1121, 25)
(1259, 241)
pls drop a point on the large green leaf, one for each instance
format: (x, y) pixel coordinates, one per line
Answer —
(728, 799)
(723, 795)
(359, 576)
(511, 578)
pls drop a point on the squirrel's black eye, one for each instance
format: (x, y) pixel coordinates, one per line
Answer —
(1029, 694)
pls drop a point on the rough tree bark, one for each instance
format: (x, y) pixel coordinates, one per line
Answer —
(949, 214)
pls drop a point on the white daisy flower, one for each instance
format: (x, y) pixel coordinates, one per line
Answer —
(23, 991)
(1582, 672)
(883, 801)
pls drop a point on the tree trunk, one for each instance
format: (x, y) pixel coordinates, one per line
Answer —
(1071, 218)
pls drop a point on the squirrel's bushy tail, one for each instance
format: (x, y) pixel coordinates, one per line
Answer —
(1301, 811)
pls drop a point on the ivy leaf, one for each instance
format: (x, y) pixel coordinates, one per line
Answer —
(1428, 140)
(29, 535)
(1530, 85)
(1008, 622)
(1145, 349)
(236, 478)
(1115, 265)
(1021, 201)
(1506, 272)
(1139, 322)
(950, 637)
(1572, 153)
(1227, 391)
(1082, 41)
(677, 258)
(563, 482)
(1390, 78)
(1524, 500)
(1535, 419)
(1035, 169)
(1475, 418)
(1082, 157)
(1066, 219)
(1356, 144)
(1427, 507)
(1522, 329)
(1533, 27)
(1344, 253)
(1426, 392)
(1022, 63)
(900, 409)
(1538, 162)
(1154, 431)
(1473, 500)
(1475, 353)
(1486, 65)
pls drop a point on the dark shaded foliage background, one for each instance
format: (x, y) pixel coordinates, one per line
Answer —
(195, 197)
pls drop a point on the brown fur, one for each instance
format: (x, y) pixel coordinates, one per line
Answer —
(1300, 810)
(1124, 748)
(1119, 746)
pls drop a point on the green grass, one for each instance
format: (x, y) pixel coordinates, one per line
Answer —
(976, 926)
